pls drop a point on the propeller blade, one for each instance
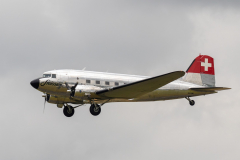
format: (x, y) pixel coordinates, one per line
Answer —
(44, 104)
(74, 87)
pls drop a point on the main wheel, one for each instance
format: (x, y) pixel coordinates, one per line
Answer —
(192, 102)
(68, 111)
(95, 110)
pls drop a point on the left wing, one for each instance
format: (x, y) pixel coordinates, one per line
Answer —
(136, 89)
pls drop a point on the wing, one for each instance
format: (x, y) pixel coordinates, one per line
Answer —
(136, 89)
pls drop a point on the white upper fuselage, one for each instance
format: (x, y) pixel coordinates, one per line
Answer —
(89, 81)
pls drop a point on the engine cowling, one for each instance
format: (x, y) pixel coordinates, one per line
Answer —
(84, 91)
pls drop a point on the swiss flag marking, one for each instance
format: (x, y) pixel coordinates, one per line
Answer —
(206, 64)
(203, 64)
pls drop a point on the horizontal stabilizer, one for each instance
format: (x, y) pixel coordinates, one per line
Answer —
(210, 89)
(138, 88)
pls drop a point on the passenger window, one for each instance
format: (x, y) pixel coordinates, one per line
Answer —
(97, 82)
(107, 83)
(53, 75)
(88, 81)
(116, 84)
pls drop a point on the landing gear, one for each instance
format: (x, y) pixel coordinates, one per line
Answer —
(191, 102)
(68, 111)
(95, 109)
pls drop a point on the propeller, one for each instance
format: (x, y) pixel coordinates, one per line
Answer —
(71, 89)
(47, 96)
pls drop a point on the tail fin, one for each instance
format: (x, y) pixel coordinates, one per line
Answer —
(201, 71)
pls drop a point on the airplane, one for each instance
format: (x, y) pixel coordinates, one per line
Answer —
(79, 87)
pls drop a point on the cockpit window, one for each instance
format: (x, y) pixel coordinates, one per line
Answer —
(53, 75)
(46, 75)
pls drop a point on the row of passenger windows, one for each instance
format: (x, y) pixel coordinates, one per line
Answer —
(106, 82)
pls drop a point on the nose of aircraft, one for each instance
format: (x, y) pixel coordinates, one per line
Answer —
(35, 83)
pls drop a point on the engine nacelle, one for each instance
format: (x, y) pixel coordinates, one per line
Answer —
(84, 91)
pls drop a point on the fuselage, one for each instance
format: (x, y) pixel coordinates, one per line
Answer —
(53, 83)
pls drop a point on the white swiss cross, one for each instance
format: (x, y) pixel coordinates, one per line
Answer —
(206, 64)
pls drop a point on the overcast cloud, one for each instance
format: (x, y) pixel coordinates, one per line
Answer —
(133, 37)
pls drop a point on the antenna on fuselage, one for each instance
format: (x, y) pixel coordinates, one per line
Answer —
(84, 68)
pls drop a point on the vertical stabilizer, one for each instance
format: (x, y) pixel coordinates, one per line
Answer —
(201, 71)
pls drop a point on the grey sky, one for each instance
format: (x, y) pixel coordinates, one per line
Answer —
(133, 37)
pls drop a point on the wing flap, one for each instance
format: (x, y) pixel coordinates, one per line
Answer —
(136, 89)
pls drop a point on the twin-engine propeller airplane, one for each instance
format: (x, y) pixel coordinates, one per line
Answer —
(79, 87)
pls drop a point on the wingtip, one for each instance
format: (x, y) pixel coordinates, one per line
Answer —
(227, 88)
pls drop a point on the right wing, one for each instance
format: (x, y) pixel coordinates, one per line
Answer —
(136, 89)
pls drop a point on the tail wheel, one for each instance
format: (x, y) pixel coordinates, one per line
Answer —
(68, 111)
(192, 102)
(95, 110)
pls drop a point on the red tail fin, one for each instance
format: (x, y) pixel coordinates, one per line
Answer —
(202, 64)
(201, 71)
